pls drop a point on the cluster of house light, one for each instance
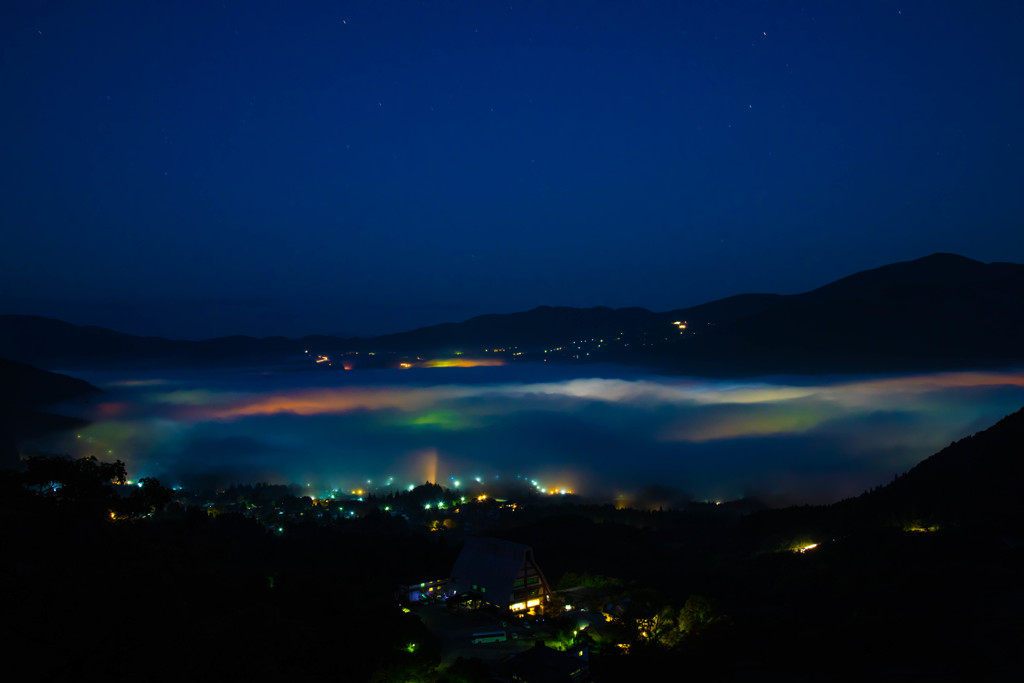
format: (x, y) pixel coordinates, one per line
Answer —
(520, 606)
(551, 492)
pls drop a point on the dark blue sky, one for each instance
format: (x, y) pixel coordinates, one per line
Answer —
(199, 169)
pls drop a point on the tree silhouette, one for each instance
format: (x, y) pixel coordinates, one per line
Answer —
(148, 497)
(86, 486)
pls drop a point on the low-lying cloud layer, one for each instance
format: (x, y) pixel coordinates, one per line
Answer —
(814, 440)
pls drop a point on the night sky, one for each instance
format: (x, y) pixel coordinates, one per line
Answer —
(200, 169)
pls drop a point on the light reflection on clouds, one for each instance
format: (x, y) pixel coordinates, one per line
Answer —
(138, 383)
(717, 437)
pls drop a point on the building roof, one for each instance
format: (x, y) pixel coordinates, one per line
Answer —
(489, 566)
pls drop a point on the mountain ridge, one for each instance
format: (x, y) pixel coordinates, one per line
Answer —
(939, 311)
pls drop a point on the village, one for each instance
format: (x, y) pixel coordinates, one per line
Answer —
(494, 609)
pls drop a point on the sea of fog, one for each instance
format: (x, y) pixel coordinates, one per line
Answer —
(600, 431)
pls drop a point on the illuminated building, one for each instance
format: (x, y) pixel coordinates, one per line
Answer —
(427, 590)
(500, 573)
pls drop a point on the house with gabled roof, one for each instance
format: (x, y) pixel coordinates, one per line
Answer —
(500, 573)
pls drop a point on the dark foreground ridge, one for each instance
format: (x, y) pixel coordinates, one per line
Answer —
(939, 312)
(974, 483)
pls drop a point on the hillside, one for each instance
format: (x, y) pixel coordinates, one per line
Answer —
(978, 480)
(25, 393)
(975, 484)
(23, 387)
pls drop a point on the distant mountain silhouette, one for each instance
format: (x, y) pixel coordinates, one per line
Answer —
(938, 312)
(941, 311)
(542, 326)
(549, 326)
(44, 341)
